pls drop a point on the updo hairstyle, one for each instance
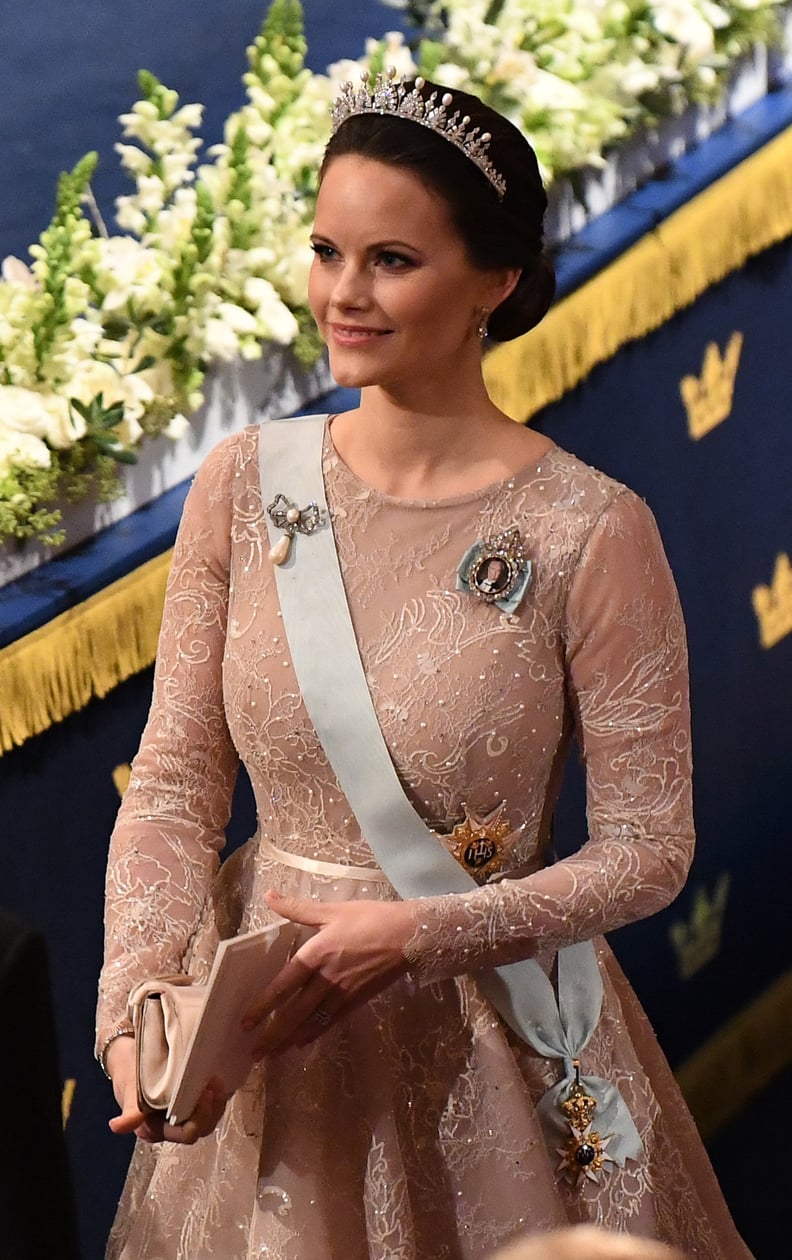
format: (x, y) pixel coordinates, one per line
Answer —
(496, 233)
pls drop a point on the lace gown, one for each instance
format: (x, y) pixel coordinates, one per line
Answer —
(408, 1130)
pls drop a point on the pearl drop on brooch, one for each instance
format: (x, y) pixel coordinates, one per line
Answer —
(279, 553)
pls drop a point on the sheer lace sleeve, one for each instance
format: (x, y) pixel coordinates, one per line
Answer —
(170, 828)
(626, 670)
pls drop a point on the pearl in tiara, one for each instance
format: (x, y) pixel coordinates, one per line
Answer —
(389, 95)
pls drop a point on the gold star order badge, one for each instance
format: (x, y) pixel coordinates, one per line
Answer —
(584, 1154)
(482, 843)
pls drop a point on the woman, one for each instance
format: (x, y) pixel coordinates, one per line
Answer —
(391, 1112)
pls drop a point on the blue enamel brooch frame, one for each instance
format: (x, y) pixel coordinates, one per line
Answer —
(496, 570)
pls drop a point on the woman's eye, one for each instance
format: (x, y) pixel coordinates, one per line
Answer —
(394, 261)
(325, 252)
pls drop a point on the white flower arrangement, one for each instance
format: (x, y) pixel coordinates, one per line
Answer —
(106, 339)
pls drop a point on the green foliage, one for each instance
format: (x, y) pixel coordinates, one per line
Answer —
(59, 257)
(101, 423)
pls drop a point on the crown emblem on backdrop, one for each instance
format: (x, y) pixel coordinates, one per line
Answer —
(121, 777)
(708, 398)
(773, 604)
(697, 941)
(390, 95)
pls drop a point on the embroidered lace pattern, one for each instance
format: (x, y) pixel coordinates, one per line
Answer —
(408, 1131)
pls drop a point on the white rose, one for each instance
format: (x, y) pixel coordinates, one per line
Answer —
(23, 449)
(45, 416)
(92, 378)
(681, 22)
(131, 390)
(158, 378)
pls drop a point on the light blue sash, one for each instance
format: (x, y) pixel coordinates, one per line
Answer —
(335, 692)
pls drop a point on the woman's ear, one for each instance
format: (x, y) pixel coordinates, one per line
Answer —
(502, 283)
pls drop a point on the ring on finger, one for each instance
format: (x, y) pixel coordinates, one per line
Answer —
(322, 1016)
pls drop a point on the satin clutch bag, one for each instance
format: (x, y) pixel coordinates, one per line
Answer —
(188, 1033)
(164, 1016)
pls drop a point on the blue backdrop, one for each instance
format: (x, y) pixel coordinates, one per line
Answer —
(69, 68)
(725, 513)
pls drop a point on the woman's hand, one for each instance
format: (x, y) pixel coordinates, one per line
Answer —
(151, 1126)
(356, 951)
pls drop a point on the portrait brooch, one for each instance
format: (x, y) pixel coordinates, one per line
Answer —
(496, 570)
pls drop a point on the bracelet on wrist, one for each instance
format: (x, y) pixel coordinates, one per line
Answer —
(101, 1053)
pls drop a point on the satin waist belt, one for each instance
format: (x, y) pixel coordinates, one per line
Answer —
(329, 870)
(366, 874)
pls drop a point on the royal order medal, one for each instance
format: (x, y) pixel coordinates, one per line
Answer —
(584, 1154)
(482, 844)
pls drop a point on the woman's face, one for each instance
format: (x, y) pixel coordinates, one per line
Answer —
(391, 287)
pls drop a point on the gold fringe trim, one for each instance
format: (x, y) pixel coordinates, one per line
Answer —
(743, 213)
(83, 653)
(743, 1057)
(90, 649)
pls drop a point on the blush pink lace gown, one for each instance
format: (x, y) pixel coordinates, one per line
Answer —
(408, 1131)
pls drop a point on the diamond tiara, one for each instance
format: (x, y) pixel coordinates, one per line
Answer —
(390, 96)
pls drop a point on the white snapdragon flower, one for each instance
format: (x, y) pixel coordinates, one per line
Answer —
(717, 16)
(130, 274)
(188, 117)
(452, 76)
(175, 223)
(140, 119)
(397, 53)
(342, 71)
(237, 318)
(261, 100)
(220, 342)
(176, 427)
(133, 159)
(151, 194)
(293, 267)
(551, 92)
(629, 79)
(14, 271)
(176, 169)
(129, 217)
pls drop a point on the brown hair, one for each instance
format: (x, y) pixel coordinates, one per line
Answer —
(496, 233)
